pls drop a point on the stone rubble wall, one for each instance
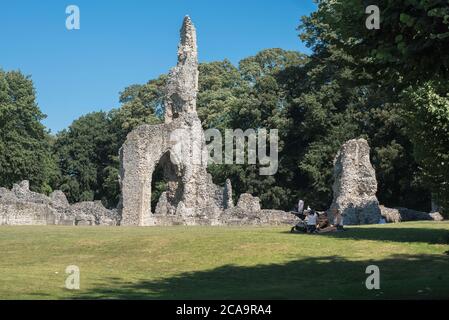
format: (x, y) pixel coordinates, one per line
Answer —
(20, 206)
(182, 85)
(395, 215)
(247, 213)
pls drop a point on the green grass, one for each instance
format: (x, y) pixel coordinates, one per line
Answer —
(224, 262)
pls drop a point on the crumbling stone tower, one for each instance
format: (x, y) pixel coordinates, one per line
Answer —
(182, 87)
(179, 146)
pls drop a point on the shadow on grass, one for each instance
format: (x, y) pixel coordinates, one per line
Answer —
(332, 277)
(431, 236)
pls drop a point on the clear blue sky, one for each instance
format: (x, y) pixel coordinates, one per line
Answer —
(125, 42)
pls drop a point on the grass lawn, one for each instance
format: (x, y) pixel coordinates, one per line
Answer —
(224, 262)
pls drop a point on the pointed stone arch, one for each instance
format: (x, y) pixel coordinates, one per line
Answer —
(194, 194)
(172, 195)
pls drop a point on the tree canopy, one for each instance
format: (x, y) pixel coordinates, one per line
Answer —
(25, 145)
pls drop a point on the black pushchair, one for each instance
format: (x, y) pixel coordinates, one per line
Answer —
(301, 226)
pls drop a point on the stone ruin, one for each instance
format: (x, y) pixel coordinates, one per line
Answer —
(20, 206)
(355, 184)
(179, 147)
(355, 188)
(191, 198)
(403, 214)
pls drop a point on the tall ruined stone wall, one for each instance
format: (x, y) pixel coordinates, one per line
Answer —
(179, 147)
(355, 184)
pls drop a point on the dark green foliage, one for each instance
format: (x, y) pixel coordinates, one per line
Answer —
(158, 186)
(411, 44)
(427, 110)
(84, 150)
(405, 63)
(250, 97)
(140, 104)
(25, 146)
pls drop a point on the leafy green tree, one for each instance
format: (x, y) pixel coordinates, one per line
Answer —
(406, 56)
(25, 146)
(141, 104)
(411, 44)
(249, 97)
(430, 134)
(220, 88)
(84, 151)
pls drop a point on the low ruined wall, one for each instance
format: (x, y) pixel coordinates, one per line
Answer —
(247, 213)
(20, 206)
(403, 214)
(239, 217)
(21, 213)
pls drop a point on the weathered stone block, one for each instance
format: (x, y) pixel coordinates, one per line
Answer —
(355, 184)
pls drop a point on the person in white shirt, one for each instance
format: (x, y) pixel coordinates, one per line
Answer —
(338, 219)
(312, 219)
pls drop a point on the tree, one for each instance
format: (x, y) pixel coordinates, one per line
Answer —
(220, 86)
(411, 44)
(141, 104)
(25, 146)
(404, 58)
(430, 135)
(84, 152)
(249, 97)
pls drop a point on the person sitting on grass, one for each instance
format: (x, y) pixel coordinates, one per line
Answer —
(338, 219)
(337, 223)
(312, 218)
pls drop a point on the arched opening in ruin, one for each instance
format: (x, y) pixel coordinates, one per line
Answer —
(158, 186)
(166, 190)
